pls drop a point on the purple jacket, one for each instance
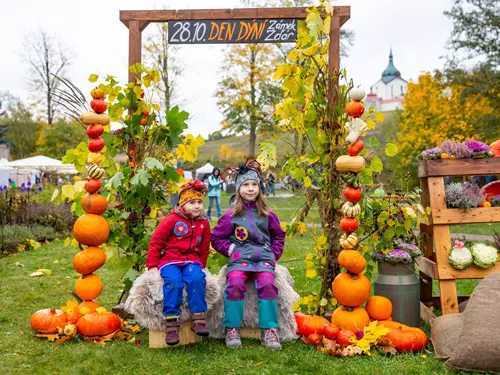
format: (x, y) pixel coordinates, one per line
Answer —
(258, 241)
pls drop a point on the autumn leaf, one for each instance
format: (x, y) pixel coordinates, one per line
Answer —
(69, 306)
(301, 227)
(48, 336)
(311, 273)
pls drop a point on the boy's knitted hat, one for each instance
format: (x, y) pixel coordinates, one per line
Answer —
(245, 172)
(191, 190)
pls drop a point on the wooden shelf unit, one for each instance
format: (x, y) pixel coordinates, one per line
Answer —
(437, 244)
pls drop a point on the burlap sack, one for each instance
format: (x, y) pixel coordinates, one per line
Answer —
(445, 332)
(478, 347)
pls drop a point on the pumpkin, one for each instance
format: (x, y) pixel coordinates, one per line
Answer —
(313, 339)
(353, 195)
(346, 163)
(88, 287)
(94, 171)
(312, 324)
(349, 224)
(96, 145)
(379, 308)
(330, 331)
(91, 118)
(94, 204)
(47, 320)
(299, 319)
(98, 105)
(352, 261)
(495, 148)
(355, 148)
(406, 339)
(74, 315)
(89, 260)
(98, 324)
(344, 336)
(97, 93)
(92, 185)
(94, 131)
(350, 319)
(351, 290)
(354, 109)
(144, 121)
(357, 94)
(90, 229)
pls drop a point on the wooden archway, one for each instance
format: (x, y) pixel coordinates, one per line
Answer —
(137, 20)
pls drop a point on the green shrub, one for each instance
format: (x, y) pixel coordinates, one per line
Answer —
(43, 233)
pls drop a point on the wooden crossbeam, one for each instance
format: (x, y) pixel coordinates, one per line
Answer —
(344, 12)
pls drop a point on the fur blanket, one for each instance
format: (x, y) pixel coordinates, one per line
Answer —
(145, 302)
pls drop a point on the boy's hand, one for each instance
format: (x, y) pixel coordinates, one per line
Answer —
(153, 269)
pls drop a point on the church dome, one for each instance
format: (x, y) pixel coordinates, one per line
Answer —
(390, 72)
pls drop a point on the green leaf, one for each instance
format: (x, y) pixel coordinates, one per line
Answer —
(379, 192)
(391, 149)
(116, 180)
(371, 142)
(93, 77)
(376, 165)
(142, 177)
(152, 163)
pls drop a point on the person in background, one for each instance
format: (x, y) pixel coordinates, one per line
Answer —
(214, 188)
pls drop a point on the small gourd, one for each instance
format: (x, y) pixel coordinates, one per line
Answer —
(346, 163)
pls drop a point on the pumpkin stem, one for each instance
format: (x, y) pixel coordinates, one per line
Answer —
(353, 275)
(77, 298)
(52, 311)
(80, 246)
(348, 308)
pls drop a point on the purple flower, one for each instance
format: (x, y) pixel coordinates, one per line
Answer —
(22, 185)
(398, 256)
(359, 334)
(378, 256)
(117, 196)
(477, 147)
(413, 250)
(10, 181)
(40, 188)
(430, 154)
(5, 187)
(22, 188)
(1, 188)
(29, 183)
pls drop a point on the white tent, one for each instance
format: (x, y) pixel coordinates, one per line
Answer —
(206, 169)
(4, 171)
(43, 163)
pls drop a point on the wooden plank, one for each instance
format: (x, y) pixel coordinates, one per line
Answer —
(458, 167)
(186, 337)
(426, 314)
(428, 267)
(436, 193)
(134, 46)
(448, 272)
(449, 300)
(459, 216)
(222, 14)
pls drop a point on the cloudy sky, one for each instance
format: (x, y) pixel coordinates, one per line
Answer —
(91, 30)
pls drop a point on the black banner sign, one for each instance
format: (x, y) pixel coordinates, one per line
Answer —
(232, 31)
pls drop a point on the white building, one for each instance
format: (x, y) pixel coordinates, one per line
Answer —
(387, 94)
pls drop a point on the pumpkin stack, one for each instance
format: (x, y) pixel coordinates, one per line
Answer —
(351, 288)
(91, 229)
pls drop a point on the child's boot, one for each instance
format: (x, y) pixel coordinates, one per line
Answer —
(172, 331)
(198, 324)
(270, 339)
(233, 339)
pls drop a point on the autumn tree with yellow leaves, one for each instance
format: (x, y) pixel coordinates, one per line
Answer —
(434, 112)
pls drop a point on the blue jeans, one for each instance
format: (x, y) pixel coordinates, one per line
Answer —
(210, 204)
(174, 277)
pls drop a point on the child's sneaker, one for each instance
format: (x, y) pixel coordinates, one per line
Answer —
(198, 324)
(233, 338)
(172, 331)
(270, 339)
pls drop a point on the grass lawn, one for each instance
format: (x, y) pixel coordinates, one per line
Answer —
(21, 295)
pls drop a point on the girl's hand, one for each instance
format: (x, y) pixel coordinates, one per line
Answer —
(153, 269)
(231, 249)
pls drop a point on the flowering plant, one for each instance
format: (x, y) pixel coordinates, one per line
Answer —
(463, 195)
(456, 150)
(404, 254)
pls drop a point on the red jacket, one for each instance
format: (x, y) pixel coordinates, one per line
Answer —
(179, 239)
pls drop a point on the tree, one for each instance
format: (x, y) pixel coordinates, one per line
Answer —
(162, 56)
(247, 94)
(22, 131)
(55, 140)
(46, 58)
(434, 112)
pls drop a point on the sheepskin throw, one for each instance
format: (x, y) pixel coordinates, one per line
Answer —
(145, 302)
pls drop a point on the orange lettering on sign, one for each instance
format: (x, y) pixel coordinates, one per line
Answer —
(243, 30)
(262, 26)
(252, 34)
(230, 31)
(215, 28)
(222, 26)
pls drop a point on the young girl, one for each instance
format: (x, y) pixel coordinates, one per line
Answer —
(251, 235)
(214, 188)
(179, 250)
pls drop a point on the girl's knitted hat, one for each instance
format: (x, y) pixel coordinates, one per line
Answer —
(245, 172)
(191, 190)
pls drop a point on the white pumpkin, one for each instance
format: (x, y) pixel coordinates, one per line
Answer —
(357, 94)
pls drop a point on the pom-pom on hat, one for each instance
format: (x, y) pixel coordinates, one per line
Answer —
(191, 190)
(245, 172)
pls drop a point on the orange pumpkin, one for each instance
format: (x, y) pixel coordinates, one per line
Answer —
(495, 148)
(91, 229)
(74, 315)
(47, 320)
(89, 260)
(88, 287)
(354, 109)
(350, 319)
(92, 185)
(406, 339)
(98, 324)
(98, 105)
(94, 204)
(349, 224)
(351, 290)
(95, 131)
(352, 261)
(379, 308)
(312, 324)
(355, 148)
